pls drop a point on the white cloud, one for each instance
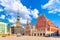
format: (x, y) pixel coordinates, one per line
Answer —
(53, 6)
(12, 20)
(35, 12)
(24, 21)
(2, 16)
(12, 7)
(1, 10)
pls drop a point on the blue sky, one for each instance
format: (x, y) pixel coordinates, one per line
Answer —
(30, 10)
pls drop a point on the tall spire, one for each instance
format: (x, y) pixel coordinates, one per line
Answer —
(18, 19)
(27, 22)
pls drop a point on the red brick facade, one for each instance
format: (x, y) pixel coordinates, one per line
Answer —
(42, 22)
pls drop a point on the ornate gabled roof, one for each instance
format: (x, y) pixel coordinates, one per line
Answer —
(41, 15)
(28, 24)
(50, 23)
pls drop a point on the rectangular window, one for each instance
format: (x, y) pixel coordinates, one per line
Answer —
(2, 28)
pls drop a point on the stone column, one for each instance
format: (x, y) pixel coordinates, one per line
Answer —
(39, 34)
(33, 34)
(30, 33)
(10, 31)
(45, 31)
(50, 31)
(36, 33)
(42, 33)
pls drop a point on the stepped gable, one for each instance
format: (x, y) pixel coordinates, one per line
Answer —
(42, 23)
(41, 20)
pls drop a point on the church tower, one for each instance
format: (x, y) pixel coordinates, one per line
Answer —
(18, 20)
(27, 22)
(27, 28)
